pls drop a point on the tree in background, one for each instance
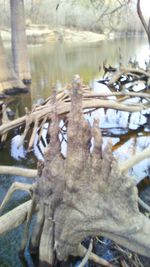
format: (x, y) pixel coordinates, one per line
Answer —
(8, 78)
(142, 19)
(19, 41)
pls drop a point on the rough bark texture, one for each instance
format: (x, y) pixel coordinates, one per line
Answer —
(85, 193)
(19, 40)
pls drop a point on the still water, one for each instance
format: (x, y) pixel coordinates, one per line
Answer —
(56, 64)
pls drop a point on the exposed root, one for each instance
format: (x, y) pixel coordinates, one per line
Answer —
(14, 218)
(41, 128)
(144, 205)
(129, 163)
(46, 249)
(87, 255)
(130, 94)
(28, 121)
(82, 251)
(32, 138)
(16, 186)
(37, 230)
(63, 107)
(125, 71)
(27, 223)
(84, 193)
(97, 197)
(28, 173)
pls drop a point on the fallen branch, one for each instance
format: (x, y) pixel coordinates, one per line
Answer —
(8, 170)
(129, 163)
(27, 224)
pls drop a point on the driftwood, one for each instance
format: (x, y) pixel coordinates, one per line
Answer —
(37, 117)
(84, 194)
(127, 71)
(131, 74)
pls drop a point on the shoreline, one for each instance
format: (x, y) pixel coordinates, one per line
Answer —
(40, 34)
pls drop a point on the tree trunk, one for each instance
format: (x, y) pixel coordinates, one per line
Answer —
(19, 41)
(8, 79)
(143, 21)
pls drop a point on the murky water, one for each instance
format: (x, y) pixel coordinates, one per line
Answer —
(57, 63)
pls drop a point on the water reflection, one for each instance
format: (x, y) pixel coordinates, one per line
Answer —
(59, 62)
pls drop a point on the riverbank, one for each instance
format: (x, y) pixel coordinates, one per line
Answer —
(39, 34)
(43, 34)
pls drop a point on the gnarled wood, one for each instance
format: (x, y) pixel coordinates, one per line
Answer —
(86, 194)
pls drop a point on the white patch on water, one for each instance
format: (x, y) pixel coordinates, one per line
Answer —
(17, 150)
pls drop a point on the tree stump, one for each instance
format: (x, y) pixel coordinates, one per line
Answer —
(84, 194)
